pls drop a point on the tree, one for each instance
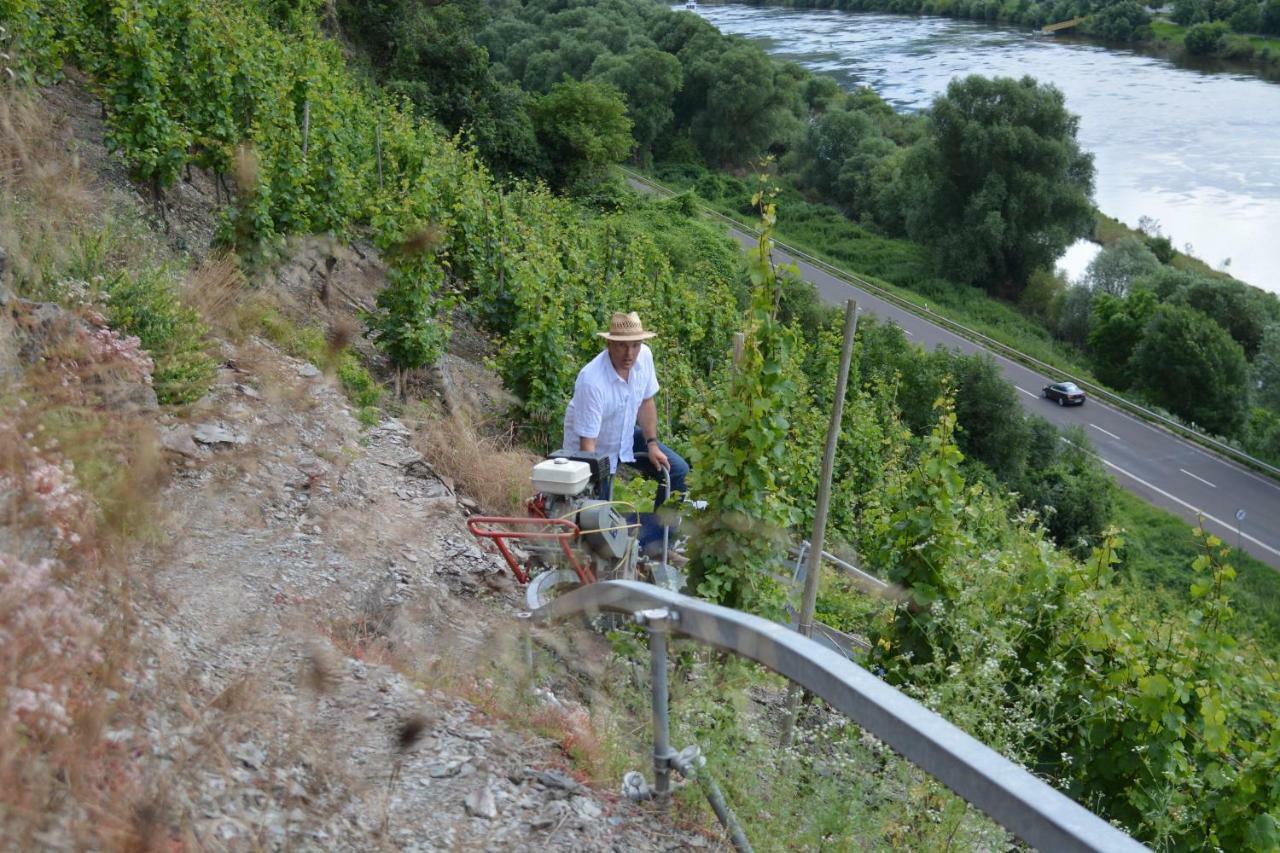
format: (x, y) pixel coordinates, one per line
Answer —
(1124, 21)
(747, 106)
(1190, 365)
(1266, 369)
(1117, 328)
(1271, 17)
(429, 53)
(648, 79)
(821, 93)
(1066, 485)
(1166, 282)
(438, 64)
(1188, 12)
(505, 137)
(1001, 185)
(572, 58)
(583, 129)
(1073, 315)
(1118, 265)
(889, 358)
(1262, 434)
(1204, 39)
(1044, 288)
(1242, 310)
(1247, 18)
(837, 157)
(989, 420)
(827, 144)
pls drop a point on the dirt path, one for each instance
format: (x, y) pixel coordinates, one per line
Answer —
(316, 603)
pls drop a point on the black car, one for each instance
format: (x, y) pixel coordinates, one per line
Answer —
(1065, 393)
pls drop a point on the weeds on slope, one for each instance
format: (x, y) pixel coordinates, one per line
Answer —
(79, 468)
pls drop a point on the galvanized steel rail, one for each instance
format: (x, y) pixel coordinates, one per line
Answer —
(1004, 349)
(1021, 803)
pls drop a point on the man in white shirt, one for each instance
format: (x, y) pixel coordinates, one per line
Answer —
(613, 412)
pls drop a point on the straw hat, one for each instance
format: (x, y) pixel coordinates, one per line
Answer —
(626, 327)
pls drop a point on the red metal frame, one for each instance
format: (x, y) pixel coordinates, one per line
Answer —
(483, 526)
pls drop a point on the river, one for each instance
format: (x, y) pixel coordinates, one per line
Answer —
(1198, 152)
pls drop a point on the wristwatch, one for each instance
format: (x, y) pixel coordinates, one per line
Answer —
(651, 441)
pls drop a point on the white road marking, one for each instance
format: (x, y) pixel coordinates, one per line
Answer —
(909, 332)
(1105, 432)
(1233, 465)
(1025, 391)
(1181, 502)
(1194, 477)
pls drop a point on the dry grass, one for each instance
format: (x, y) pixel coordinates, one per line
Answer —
(492, 470)
(45, 197)
(78, 477)
(34, 155)
(593, 731)
(74, 483)
(216, 289)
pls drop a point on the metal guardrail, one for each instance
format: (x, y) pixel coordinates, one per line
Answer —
(991, 343)
(865, 581)
(833, 638)
(1021, 803)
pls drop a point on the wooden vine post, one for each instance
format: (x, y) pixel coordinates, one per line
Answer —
(809, 600)
(306, 127)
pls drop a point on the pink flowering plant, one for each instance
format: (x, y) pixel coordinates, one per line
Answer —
(48, 639)
(108, 347)
(39, 493)
(48, 646)
(98, 353)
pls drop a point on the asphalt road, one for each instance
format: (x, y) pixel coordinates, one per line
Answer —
(1147, 461)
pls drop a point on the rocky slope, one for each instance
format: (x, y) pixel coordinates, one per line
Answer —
(320, 655)
(318, 616)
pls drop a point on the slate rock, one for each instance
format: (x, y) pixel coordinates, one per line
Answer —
(481, 803)
(213, 433)
(178, 439)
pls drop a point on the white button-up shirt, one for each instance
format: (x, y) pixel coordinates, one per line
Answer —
(604, 405)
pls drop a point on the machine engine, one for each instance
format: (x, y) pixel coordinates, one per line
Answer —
(571, 485)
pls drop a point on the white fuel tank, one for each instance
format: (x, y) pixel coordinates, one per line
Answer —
(561, 476)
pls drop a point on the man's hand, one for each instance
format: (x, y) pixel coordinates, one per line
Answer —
(647, 420)
(657, 457)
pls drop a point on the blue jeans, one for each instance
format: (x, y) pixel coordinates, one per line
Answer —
(650, 536)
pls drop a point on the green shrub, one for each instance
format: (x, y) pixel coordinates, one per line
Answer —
(362, 389)
(1205, 39)
(305, 342)
(146, 304)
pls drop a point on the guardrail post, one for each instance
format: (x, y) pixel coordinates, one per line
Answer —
(692, 765)
(657, 621)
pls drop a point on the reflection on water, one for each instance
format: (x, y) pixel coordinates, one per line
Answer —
(1076, 259)
(1199, 153)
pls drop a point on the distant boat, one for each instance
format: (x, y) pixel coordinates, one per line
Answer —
(691, 5)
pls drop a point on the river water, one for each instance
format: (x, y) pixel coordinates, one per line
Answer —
(1198, 152)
